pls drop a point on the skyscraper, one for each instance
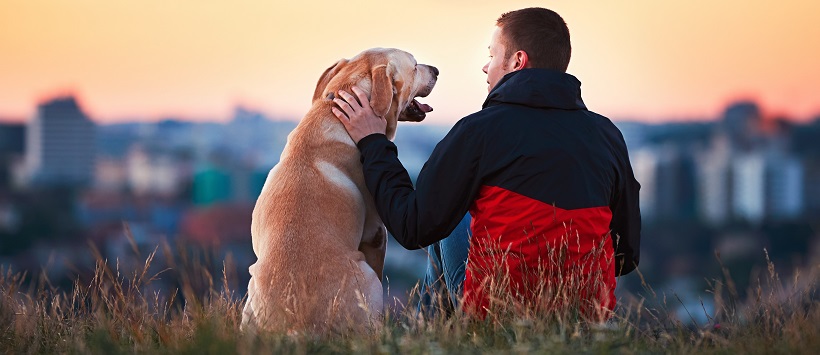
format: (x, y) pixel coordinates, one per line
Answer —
(714, 187)
(60, 144)
(645, 166)
(749, 187)
(784, 187)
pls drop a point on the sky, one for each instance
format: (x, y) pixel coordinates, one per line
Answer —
(646, 60)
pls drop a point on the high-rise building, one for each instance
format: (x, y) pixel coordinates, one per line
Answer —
(645, 168)
(742, 124)
(784, 187)
(811, 186)
(749, 187)
(767, 185)
(668, 182)
(60, 144)
(714, 188)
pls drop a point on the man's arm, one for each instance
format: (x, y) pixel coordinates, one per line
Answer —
(626, 220)
(446, 186)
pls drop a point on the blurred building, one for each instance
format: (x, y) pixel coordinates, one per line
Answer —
(220, 184)
(9, 217)
(218, 224)
(11, 150)
(645, 167)
(169, 134)
(668, 181)
(60, 145)
(811, 186)
(110, 174)
(807, 145)
(749, 187)
(152, 172)
(254, 139)
(212, 185)
(12, 143)
(12, 138)
(742, 124)
(634, 133)
(754, 169)
(784, 187)
(714, 174)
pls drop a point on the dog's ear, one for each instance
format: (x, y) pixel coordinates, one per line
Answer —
(381, 92)
(326, 76)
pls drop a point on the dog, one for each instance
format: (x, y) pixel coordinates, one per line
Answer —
(319, 241)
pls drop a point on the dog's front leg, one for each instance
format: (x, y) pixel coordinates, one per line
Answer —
(374, 250)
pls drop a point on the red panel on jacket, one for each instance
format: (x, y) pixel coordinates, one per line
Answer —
(554, 258)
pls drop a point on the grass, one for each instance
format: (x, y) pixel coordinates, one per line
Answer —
(115, 312)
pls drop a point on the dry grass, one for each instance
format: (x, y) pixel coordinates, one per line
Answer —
(114, 312)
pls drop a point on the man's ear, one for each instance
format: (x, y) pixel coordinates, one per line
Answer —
(381, 92)
(325, 78)
(520, 60)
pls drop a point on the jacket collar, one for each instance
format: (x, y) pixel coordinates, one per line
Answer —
(540, 88)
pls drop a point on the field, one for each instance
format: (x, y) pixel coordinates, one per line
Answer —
(115, 311)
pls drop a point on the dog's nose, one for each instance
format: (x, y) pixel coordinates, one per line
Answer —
(434, 69)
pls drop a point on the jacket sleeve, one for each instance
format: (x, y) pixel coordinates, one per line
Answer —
(445, 188)
(626, 218)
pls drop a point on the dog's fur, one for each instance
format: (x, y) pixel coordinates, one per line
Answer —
(319, 241)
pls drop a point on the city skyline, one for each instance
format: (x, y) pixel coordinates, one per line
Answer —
(652, 62)
(741, 168)
(765, 114)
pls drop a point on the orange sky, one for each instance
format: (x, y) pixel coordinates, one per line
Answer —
(645, 59)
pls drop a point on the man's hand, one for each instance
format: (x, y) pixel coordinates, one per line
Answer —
(359, 119)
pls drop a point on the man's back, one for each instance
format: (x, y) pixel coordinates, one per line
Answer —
(550, 175)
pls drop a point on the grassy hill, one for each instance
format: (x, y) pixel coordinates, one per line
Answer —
(116, 311)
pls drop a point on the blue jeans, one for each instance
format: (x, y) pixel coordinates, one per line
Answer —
(442, 286)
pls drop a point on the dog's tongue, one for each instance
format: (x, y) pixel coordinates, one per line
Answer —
(424, 107)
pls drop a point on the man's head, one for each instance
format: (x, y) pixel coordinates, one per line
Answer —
(528, 38)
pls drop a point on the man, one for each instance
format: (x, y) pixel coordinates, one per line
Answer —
(548, 184)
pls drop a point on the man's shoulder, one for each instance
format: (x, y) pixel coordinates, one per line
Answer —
(608, 129)
(605, 123)
(486, 116)
(476, 125)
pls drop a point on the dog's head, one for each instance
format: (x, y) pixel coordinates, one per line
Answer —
(391, 77)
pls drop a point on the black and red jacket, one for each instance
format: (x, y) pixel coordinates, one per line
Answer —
(542, 177)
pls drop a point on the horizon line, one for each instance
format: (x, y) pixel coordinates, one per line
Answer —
(638, 118)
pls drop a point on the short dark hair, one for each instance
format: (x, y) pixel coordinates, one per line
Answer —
(541, 33)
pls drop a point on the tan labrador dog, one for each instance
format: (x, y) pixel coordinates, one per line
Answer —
(319, 241)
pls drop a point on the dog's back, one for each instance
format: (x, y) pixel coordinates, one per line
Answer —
(307, 226)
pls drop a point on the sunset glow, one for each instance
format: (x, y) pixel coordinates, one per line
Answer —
(646, 60)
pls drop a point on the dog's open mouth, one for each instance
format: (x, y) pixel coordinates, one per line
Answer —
(415, 111)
